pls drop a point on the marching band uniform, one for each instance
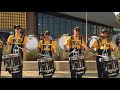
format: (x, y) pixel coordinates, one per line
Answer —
(71, 43)
(1, 53)
(99, 49)
(43, 48)
(22, 40)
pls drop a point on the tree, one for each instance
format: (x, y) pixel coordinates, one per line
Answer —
(118, 18)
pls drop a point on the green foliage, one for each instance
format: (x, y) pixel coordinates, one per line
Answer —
(116, 53)
(32, 55)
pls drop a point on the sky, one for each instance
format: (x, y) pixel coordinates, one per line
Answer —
(116, 13)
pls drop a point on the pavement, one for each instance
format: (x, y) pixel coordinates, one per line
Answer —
(58, 74)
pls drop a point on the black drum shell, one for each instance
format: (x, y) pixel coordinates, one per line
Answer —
(111, 66)
(12, 62)
(77, 65)
(46, 65)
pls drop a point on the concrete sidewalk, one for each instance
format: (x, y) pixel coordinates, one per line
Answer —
(58, 74)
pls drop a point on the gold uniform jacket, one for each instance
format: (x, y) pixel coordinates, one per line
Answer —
(71, 43)
(100, 46)
(43, 47)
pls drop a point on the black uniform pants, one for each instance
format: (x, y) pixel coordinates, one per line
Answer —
(100, 69)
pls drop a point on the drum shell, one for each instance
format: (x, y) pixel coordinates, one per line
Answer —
(46, 65)
(77, 64)
(111, 66)
(12, 62)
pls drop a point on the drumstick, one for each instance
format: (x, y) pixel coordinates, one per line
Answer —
(24, 49)
(56, 50)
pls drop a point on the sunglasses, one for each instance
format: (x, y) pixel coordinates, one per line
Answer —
(18, 28)
(104, 33)
(77, 31)
(47, 34)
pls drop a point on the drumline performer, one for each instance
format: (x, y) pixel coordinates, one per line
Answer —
(71, 42)
(1, 52)
(100, 49)
(18, 42)
(47, 46)
(117, 41)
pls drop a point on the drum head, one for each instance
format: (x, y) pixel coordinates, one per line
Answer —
(32, 42)
(91, 41)
(117, 40)
(62, 40)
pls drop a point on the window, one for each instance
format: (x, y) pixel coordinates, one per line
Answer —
(68, 27)
(9, 19)
(62, 26)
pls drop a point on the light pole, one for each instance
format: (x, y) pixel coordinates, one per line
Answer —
(86, 27)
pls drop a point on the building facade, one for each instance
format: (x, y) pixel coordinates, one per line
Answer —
(58, 23)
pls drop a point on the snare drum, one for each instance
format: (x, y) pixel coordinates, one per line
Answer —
(77, 64)
(12, 62)
(46, 66)
(110, 65)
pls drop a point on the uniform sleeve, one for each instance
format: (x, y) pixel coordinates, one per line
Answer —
(9, 40)
(25, 40)
(67, 42)
(83, 43)
(54, 46)
(40, 44)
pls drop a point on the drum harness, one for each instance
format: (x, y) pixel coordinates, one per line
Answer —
(75, 54)
(15, 46)
(104, 52)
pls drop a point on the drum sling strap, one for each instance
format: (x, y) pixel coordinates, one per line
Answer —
(80, 38)
(43, 51)
(21, 45)
(100, 50)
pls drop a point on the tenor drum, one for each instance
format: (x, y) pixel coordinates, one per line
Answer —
(46, 66)
(62, 40)
(77, 64)
(111, 66)
(32, 42)
(12, 62)
(91, 41)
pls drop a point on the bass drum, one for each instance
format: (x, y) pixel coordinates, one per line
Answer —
(32, 42)
(92, 40)
(117, 40)
(62, 40)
